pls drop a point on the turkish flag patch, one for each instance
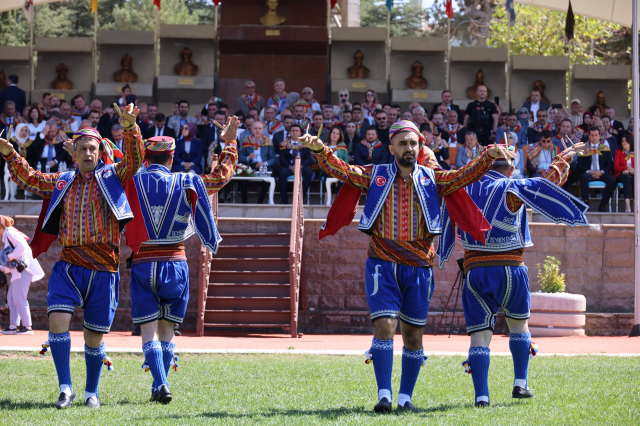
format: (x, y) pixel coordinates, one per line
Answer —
(380, 181)
(61, 184)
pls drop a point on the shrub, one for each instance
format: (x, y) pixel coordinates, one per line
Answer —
(549, 276)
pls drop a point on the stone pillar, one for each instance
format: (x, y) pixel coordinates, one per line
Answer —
(350, 13)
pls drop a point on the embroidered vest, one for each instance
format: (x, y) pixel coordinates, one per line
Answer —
(382, 179)
(109, 185)
(172, 214)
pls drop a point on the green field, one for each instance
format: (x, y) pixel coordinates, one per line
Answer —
(310, 389)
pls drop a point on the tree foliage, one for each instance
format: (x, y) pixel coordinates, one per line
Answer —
(406, 18)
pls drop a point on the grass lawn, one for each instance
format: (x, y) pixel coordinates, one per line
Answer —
(301, 389)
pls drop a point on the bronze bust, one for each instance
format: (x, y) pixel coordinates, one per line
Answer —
(125, 74)
(186, 67)
(539, 86)
(62, 82)
(471, 90)
(358, 70)
(272, 17)
(600, 103)
(416, 80)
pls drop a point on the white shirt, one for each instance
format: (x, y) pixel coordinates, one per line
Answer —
(75, 124)
(534, 108)
(21, 251)
(33, 130)
(595, 160)
(160, 132)
(45, 152)
(545, 160)
(187, 146)
(258, 157)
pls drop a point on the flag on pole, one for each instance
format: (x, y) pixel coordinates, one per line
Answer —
(511, 9)
(29, 10)
(389, 4)
(571, 22)
(157, 3)
(94, 6)
(333, 3)
(449, 9)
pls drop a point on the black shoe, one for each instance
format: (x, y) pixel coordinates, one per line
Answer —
(482, 404)
(65, 400)
(154, 396)
(164, 396)
(136, 331)
(408, 406)
(383, 406)
(22, 331)
(8, 330)
(521, 393)
(92, 402)
(176, 332)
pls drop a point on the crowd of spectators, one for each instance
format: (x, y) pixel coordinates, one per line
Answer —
(358, 132)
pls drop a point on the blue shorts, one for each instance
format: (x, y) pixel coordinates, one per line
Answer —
(159, 290)
(398, 291)
(96, 292)
(490, 288)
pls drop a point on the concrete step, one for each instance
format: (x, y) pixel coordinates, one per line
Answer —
(248, 289)
(255, 239)
(247, 316)
(253, 251)
(240, 265)
(248, 303)
(257, 277)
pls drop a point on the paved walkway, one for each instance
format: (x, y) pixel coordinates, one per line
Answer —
(353, 344)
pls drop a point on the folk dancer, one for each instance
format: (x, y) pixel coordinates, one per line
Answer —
(402, 215)
(496, 276)
(168, 209)
(86, 209)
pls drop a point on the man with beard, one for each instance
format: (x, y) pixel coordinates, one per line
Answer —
(402, 216)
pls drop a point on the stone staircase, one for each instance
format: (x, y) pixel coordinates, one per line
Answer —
(249, 284)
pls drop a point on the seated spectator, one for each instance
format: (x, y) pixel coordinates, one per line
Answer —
(587, 123)
(535, 104)
(454, 131)
(159, 128)
(558, 116)
(55, 116)
(407, 116)
(565, 131)
(438, 122)
(611, 113)
(342, 105)
(351, 137)
(207, 120)
(69, 124)
(10, 116)
(523, 119)
(369, 105)
(289, 150)
(370, 150)
(595, 164)
(271, 125)
(608, 128)
(188, 154)
(279, 99)
(177, 122)
(437, 145)
(576, 115)
(318, 120)
(282, 134)
(245, 128)
(512, 125)
(34, 123)
(502, 119)
(470, 150)
(361, 124)
(79, 107)
(253, 112)
(611, 140)
(25, 112)
(97, 106)
(392, 115)
(47, 149)
(256, 152)
(541, 154)
(142, 118)
(44, 107)
(307, 96)
(518, 162)
(250, 99)
(329, 117)
(446, 102)
(300, 118)
(125, 91)
(382, 127)
(346, 117)
(533, 134)
(117, 137)
(419, 116)
(624, 168)
(340, 150)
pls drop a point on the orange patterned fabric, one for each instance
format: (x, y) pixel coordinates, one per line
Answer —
(480, 259)
(99, 257)
(160, 253)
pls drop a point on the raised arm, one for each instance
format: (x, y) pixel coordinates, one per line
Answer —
(449, 181)
(227, 159)
(133, 146)
(41, 184)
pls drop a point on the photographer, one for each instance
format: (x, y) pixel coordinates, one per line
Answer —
(16, 258)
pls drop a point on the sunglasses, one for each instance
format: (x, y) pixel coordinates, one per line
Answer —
(307, 93)
(343, 96)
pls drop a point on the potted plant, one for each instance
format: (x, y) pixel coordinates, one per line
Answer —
(554, 312)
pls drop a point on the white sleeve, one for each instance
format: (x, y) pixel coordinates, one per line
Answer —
(18, 242)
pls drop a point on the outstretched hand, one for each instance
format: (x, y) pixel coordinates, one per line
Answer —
(6, 147)
(312, 142)
(230, 131)
(499, 151)
(576, 148)
(128, 117)
(68, 146)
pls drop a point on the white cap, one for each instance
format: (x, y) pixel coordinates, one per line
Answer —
(576, 100)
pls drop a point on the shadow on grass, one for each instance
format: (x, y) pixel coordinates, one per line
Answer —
(8, 404)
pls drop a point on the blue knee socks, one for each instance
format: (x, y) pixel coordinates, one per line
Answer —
(382, 355)
(60, 344)
(411, 363)
(520, 344)
(93, 359)
(479, 360)
(167, 355)
(153, 354)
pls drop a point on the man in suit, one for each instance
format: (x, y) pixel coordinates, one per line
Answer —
(512, 125)
(250, 99)
(47, 149)
(370, 150)
(289, 150)
(454, 131)
(611, 113)
(361, 123)
(596, 167)
(177, 121)
(117, 135)
(282, 135)
(318, 120)
(160, 128)
(13, 93)
(446, 101)
(256, 152)
(382, 127)
(535, 104)
(10, 116)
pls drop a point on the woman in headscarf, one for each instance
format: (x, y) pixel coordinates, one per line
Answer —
(20, 141)
(343, 104)
(518, 162)
(523, 118)
(188, 154)
(16, 258)
(630, 126)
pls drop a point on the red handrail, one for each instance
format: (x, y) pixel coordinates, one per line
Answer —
(295, 247)
(204, 259)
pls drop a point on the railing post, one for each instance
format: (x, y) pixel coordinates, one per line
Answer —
(295, 247)
(204, 261)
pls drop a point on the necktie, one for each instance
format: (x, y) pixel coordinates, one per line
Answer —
(50, 152)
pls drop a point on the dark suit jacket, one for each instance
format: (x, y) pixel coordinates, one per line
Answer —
(323, 136)
(363, 129)
(287, 158)
(151, 132)
(383, 136)
(604, 160)
(278, 138)
(34, 152)
(454, 107)
(15, 94)
(617, 125)
(182, 156)
(351, 143)
(613, 144)
(361, 155)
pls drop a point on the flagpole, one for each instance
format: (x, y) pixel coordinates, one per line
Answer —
(95, 47)
(33, 77)
(448, 81)
(508, 94)
(635, 331)
(156, 36)
(388, 54)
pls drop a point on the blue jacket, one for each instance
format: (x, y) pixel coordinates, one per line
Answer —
(267, 152)
(361, 155)
(193, 156)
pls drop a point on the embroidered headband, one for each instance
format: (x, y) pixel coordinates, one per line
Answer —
(6, 221)
(87, 132)
(160, 145)
(108, 148)
(404, 126)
